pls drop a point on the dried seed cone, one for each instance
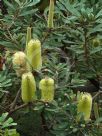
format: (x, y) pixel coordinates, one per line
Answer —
(84, 105)
(28, 87)
(34, 54)
(46, 86)
(19, 63)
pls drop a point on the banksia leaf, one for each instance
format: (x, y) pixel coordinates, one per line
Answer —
(84, 106)
(28, 87)
(19, 63)
(34, 54)
(46, 86)
(51, 14)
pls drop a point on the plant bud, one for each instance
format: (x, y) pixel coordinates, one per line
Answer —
(91, 16)
(19, 63)
(46, 86)
(84, 105)
(51, 14)
(71, 1)
(34, 54)
(28, 87)
(28, 36)
(96, 42)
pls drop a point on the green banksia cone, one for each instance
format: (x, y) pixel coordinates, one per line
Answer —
(96, 42)
(19, 63)
(51, 14)
(84, 106)
(46, 86)
(28, 87)
(34, 54)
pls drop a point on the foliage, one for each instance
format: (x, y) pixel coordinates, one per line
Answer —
(5, 82)
(5, 125)
(69, 56)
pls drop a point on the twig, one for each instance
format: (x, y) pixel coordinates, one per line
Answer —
(18, 108)
(13, 104)
(97, 94)
(46, 36)
(85, 47)
(44, 125)
(1, 107)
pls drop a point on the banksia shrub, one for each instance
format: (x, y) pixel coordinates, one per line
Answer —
(34, 54)
(46, 86)
(19, 63)
(28, 87)
(51, 14)
(84, 106)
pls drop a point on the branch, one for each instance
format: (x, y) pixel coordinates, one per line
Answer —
(85, 47)
(46, 36)
(13, 104)
(97, 94)
(19, 107)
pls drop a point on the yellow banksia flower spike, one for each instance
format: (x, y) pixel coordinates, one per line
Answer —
(19, 63)
(46, 86)
(51, 14)
(28, 87)
(34, 54)
(84, 106)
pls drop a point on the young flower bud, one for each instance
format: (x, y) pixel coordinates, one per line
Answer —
(84, 106)
(19, 63)
(91, 16)
(34, 54)
(71, 1)
(96, 42)
(28, 87)
(51, 14)
(46, 86)
(28, 36)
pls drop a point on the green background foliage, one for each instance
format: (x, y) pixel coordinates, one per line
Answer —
(69, 56)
